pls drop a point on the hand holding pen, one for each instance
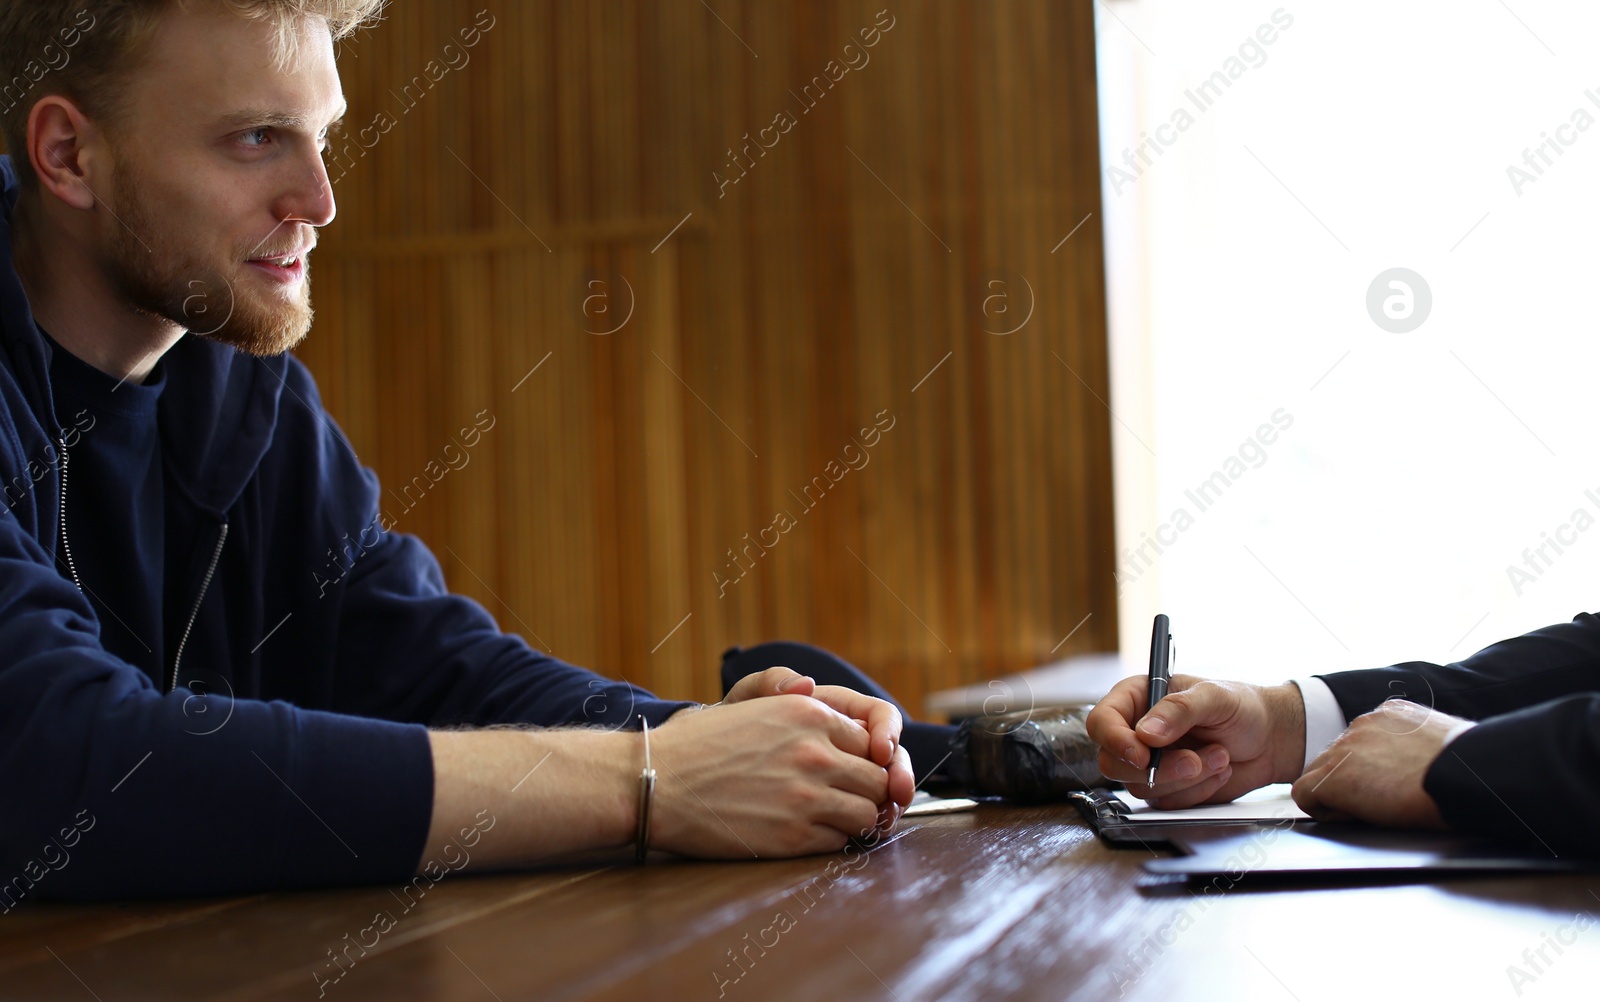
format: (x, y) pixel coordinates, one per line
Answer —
(1181, 740)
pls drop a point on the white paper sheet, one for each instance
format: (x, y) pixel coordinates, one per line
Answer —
(1270, 803)
(926, 803)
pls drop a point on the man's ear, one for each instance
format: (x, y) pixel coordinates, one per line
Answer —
(67, 151)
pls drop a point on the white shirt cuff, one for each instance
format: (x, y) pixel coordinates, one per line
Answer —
(1324, 719)
(1456, 731)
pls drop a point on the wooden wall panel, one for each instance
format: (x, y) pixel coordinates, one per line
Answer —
(782, 315)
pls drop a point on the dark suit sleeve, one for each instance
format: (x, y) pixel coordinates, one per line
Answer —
(1530, 771)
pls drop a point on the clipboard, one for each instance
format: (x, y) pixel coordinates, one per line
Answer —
(1297, 850)
(1111, 819)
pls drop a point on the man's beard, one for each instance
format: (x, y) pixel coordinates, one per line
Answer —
(161, 277)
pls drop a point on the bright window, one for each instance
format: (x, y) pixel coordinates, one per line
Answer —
(1262, 165)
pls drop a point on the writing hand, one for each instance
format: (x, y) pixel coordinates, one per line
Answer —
(1222, 738)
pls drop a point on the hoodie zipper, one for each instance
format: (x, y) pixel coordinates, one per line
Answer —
(205, 585)
(66, 548)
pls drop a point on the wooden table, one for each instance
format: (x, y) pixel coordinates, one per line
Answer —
(1001, 903)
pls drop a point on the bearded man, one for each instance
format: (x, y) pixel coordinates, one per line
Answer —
(189, 702)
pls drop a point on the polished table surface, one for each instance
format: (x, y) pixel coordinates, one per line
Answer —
(1000, 903)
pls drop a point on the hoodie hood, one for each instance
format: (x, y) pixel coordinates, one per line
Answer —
(215, 428)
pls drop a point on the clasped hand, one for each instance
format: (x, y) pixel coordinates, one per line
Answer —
(782, 767)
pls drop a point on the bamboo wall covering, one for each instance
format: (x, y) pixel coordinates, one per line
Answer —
(673, 325)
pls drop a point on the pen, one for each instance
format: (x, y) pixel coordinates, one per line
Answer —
(1160, 679)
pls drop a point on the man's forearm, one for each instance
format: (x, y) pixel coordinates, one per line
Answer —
(548, 792)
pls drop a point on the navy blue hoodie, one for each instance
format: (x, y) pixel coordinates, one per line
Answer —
(307, 649)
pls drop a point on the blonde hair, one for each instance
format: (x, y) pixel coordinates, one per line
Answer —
(85, 49)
